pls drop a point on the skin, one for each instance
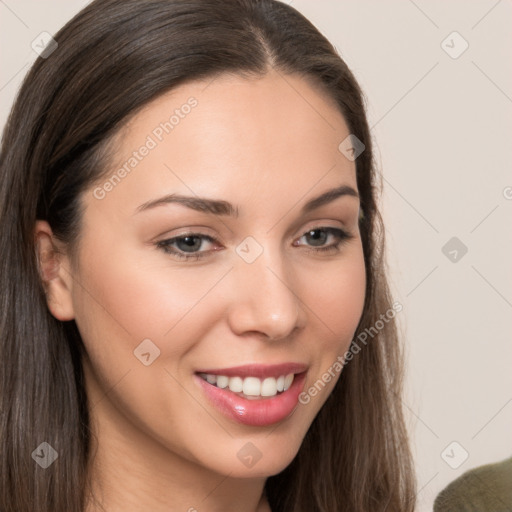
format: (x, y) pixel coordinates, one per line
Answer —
(267, 145)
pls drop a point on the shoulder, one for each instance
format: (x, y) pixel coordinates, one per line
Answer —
(483, 489)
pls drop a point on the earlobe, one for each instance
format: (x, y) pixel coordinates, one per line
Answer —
(54, 272)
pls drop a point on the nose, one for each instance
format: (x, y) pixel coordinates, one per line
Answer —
(264, 300)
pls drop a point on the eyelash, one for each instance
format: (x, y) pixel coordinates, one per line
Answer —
(165, 245)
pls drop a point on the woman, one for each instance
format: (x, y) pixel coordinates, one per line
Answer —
(195, 313)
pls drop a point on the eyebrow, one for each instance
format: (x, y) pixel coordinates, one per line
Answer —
(220, 207)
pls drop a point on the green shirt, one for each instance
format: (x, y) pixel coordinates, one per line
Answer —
(483, 489)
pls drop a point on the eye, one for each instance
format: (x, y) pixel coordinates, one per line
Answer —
(191, 246)
(317, 238)
(187, 246)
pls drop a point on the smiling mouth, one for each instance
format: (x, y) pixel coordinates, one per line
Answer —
(251, 388)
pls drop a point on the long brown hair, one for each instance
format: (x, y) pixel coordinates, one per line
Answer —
(113, 58)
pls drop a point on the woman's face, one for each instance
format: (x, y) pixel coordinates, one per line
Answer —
(203, 252)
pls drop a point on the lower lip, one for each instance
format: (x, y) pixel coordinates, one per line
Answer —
(260, 412)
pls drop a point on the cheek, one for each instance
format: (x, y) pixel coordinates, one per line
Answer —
(130, 302)
(337, 297)
(336, 300)
(176, 310)
(126, 298)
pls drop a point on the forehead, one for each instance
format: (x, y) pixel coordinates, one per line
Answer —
(233, 136)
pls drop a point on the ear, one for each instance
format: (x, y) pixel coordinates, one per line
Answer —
(54, 270)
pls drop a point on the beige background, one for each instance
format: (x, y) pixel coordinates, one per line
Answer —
(443, 130)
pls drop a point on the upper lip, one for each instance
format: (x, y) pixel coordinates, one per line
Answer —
(261, 371)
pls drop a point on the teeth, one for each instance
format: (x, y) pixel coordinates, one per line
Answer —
(269, 387)
(251, 386)
(236, 384)
(222, 381)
